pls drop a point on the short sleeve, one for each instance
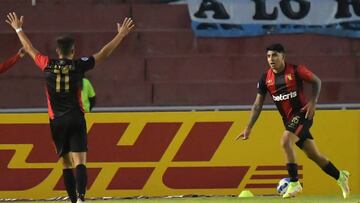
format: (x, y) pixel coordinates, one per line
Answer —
(41, 61)
(261, 86)
(304, 73)
(86, 63)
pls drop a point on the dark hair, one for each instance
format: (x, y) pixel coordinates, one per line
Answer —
(65, 44)
(276, 47)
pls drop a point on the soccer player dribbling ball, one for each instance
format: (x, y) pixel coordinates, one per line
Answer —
(284, 82)
(63, 90)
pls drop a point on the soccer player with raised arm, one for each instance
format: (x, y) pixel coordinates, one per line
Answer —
(6, 65)
(284, 82)
(63, 91)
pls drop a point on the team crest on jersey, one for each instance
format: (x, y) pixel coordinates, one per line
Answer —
(269, 82)
(84, 58)
(295, 119)
(289, 77)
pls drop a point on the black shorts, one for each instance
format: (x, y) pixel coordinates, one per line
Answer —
(69, 133)
(300, 127)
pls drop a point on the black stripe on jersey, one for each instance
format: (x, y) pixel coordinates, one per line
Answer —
(295, 102)
(279, 86)
(261, 85)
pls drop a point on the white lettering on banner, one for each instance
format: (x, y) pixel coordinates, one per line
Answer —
(300, 12)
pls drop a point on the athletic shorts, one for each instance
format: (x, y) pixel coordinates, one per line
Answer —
(300, 127)
(69, 133)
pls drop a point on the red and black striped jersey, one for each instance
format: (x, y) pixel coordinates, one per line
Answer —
(286, 88)
(63, 82)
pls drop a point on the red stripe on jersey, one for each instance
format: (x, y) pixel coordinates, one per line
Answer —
(291, 86)
(304, 74)
(270, 84)
(41, 61)
(302, 98)
(287, 109)
(290, 79)
(298, 130)
(50, 111)
(270, 81)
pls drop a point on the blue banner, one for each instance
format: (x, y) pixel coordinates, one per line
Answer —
(236, 18)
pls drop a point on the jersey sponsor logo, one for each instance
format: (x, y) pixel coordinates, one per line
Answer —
(282, 97)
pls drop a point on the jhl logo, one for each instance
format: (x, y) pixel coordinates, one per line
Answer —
(200, 144)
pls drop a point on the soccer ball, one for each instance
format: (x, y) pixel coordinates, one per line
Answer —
(283, 185)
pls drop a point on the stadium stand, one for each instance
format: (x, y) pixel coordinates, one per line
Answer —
(162, 62)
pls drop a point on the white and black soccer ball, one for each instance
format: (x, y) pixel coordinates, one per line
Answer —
(282, 186)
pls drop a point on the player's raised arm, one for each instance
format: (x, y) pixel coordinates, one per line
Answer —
(16, 23)
(6, 65)
(255, 112)
(123, 30)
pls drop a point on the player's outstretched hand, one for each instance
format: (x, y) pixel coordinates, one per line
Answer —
(244, 134)
(21, 52)
(126, 27)
(14, 21)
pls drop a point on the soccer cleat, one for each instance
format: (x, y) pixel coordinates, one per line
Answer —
(293, 189)
(80, 201)
(343, 182)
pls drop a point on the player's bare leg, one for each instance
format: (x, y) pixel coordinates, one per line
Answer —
(68, 175)
(79, 159)
(342, 177)
(311, 151)
(67, 161)
(287, 142)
